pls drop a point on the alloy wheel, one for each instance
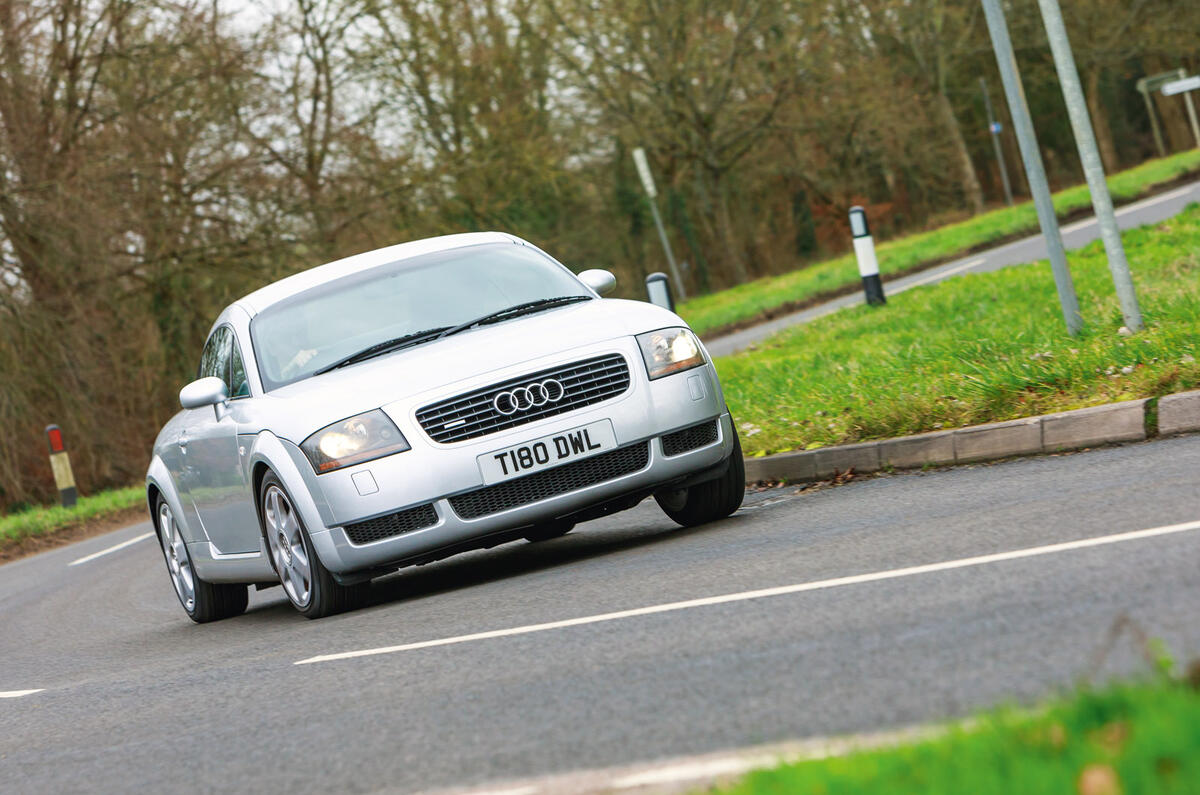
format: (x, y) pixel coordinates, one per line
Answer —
(286, 540)
(179, 565)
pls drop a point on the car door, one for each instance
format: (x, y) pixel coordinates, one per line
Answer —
(216, 482)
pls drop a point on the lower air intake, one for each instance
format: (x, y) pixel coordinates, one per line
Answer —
(552, 482)
(692, 438)
(394, 524)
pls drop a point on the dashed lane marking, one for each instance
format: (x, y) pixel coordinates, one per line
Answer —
(933, 277)
(114, 548)
(19, 693)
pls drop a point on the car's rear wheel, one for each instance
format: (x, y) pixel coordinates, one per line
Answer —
(549, 530)
(202, 601)
(711, 500)
(309, 586)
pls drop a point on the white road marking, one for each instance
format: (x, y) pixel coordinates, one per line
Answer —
(1069, 228)
(933, 277)
(19, 693)
(703, 772)
(763, 593)
(1159, 199)
(691, 771)
(1132, 208)
(114, 548)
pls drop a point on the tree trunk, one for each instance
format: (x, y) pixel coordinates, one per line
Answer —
(725, 232)
(1104, 136)
(970, 183)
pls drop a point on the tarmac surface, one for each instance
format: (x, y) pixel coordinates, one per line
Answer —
(882, 603)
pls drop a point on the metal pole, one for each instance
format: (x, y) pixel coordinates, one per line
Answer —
(1089, 154)
(662, 235)
(643, 169)
(1191, 109)
(1158, 138)
(994, 129)
(1032, 158)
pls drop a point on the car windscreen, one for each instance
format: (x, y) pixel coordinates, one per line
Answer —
(300, 335)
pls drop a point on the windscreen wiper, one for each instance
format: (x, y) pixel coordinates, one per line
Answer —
(387, 346)
(527, 308)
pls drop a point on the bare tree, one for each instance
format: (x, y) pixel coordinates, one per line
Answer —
(932, 37)
(698, 82)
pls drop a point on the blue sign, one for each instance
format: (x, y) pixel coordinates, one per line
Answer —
(995, 128)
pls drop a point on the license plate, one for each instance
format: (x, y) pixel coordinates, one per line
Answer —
(548, 451)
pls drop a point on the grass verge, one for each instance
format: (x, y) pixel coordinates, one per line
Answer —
(1139, 737)
(746, 303)
(51, 519)
(976, 348)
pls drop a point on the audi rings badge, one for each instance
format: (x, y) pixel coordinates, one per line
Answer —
(529, 396)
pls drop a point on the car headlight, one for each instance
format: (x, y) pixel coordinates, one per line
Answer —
(363, 437)
(669, 350)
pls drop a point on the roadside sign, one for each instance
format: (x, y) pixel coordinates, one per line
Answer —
(995, 128)
(643, 170)
(1180, 86)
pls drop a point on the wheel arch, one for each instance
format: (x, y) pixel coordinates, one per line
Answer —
(160, 484)
(285, 460)
(153, 492)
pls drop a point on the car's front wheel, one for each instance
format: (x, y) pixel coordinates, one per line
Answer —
(203, 601)
(309, 586)
(711, 500)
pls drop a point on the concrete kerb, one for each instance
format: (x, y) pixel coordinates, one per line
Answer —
(1113, 423)
(1179, 413)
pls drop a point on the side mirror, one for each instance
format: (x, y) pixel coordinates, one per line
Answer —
(203, 392)
(600, 280)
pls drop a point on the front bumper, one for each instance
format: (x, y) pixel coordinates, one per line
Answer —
(433, 473)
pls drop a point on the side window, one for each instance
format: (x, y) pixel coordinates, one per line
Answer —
(239, 386)
(215, 359)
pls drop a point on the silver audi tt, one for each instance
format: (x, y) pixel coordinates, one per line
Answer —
(410, 403)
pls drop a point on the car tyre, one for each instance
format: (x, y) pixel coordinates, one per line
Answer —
(309, 586)
(203, 601)
(549, 530)
(711, 500)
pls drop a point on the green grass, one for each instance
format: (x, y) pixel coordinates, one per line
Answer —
(748, 301)
(976, 348)
(1142, 737)
(44, 520)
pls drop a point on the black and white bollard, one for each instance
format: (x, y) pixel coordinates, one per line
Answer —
(864, 251)
(658, 291)
(60, 462)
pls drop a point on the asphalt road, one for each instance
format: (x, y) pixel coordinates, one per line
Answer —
(133, 696)
(1031, 249)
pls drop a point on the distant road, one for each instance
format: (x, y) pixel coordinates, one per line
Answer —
(890, 601)
(1030, 249)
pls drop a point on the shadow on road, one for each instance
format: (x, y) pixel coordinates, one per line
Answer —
(521, 557)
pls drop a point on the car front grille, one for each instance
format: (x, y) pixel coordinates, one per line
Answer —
(697, 436)
(474, 414)
(393, 524)
(552, 482)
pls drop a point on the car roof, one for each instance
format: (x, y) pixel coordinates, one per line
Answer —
(264, 297)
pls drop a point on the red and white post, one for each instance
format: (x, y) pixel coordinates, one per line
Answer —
(60, 462)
